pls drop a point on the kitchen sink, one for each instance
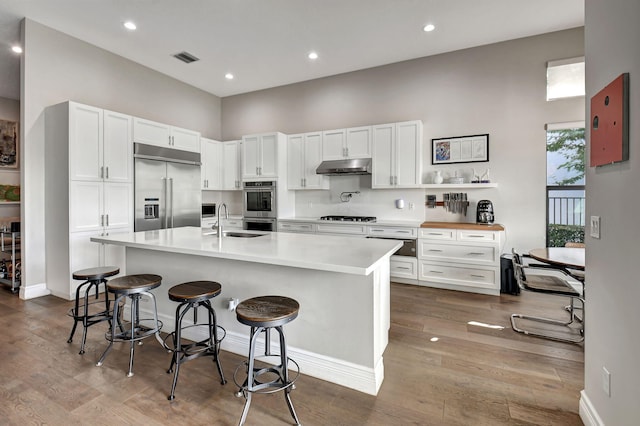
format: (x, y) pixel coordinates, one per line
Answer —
(236, 234)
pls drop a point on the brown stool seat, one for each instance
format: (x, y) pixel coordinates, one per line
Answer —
(194, 291)
(99, 273)
(267, 311)
(131, 284)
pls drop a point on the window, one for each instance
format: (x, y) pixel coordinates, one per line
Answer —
(565, 78)
(565, 183)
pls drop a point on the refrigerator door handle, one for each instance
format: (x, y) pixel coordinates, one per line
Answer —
(165, 205)
(170, 201)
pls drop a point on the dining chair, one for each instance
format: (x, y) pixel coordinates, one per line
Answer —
(551, 281)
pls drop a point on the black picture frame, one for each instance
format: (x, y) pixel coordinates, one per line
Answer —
(460, 149)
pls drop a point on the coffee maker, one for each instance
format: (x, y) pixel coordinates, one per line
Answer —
(484, 212)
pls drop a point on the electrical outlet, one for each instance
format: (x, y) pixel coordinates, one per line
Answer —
(412, 206)
(595, 227)
(606, 381)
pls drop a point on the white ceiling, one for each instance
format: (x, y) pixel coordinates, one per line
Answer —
(265, 43)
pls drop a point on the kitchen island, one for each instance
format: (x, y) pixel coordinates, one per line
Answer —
(341, 283)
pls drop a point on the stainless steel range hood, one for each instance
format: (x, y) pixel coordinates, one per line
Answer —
(355, 166)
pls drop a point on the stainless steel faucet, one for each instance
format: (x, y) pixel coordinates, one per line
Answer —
(219, 224)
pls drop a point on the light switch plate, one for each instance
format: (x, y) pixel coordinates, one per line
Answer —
(595, 227)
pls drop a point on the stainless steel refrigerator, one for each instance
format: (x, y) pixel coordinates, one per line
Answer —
(167, 188)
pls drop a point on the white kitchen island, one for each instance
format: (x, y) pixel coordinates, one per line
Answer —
(341, 283)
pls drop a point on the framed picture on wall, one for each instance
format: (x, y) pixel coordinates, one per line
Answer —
(460, 149)
(8, 144)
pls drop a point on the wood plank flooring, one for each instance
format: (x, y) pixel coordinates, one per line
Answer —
(470, 375)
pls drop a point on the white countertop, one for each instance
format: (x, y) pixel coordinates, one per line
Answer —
(379, 222)
(359, 256)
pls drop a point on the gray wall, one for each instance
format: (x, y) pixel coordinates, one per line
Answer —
(612, 339)
(56, 68)
(497, 89)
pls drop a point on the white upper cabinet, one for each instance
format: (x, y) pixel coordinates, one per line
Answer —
(164, 135)
(118, 147)
(397, 150)
(354, 142)
(230, 176)
(211, 164)
(100, 146)
(260, 155)
(304, 157)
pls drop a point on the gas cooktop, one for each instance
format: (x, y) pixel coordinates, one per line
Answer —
(350, 218)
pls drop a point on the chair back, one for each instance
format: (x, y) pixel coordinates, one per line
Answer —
(518, 270)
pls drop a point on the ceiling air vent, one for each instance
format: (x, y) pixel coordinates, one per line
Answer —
(186, 57)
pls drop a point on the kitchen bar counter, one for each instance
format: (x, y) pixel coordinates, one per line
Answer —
(341, 283)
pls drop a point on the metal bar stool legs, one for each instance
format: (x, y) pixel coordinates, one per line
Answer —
(193, 295)
(263, 314)
(134, 287)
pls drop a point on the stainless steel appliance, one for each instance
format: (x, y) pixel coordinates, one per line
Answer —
(260, 200)
(208, 210)
(353, 166)
(167, 188)
(408, 246)
(484, 212)
(349, 218)
(260, 224)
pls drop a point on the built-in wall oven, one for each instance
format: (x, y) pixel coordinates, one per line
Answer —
(260, 206)
(408, 246)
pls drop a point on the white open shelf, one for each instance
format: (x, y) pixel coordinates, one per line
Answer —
(459, 185)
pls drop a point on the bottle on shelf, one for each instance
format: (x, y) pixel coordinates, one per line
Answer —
(3, 269)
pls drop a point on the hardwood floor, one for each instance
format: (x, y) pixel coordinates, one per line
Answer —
(472, 374)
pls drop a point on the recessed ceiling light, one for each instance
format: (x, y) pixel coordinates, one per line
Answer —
(130, 25)
(429, 27)
(312, 55)
(228, 76)
(17, 49)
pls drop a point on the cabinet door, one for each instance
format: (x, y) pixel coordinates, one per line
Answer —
(269, 155)
(312, 159)
(150, 132)
(86, 206)
(112, 255)
(85, 142)
(358, 142)
(333, 144)
(250, 156)
(211, 163)
(295, 162)
(184, 139)
(118, 205)
(83, 254)
(230, 173)
(383, 156)
(408, 170)
(118, 147)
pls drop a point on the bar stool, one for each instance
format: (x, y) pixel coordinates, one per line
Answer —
(262, 314)
(92, 277)
(191, 295)
(133, 287)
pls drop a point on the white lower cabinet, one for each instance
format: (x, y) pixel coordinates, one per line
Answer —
(84, 253)
(404, 267)
(460, 259)
(304, 228)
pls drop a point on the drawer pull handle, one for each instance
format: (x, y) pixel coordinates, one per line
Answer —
(402, 267)
(476, 236)
(377, 230)
(436, 233)
(439, 251)
(477, 276)
(476, 254)
(436, 272)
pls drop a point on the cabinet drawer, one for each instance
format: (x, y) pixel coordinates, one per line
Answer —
(341, 229)
(404, 267)
(469, 235)
(437, 234)
(395, 232)
(459, 275)
(460, 253)
(232, 223)
(296, 227)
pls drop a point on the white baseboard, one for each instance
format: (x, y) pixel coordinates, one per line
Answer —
(353, 376)
(33, 291)
(588, 413)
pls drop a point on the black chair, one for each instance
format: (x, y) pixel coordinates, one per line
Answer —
(133, 287)
(553, 281)
(82, 311)
(191, 295)
(262, 314)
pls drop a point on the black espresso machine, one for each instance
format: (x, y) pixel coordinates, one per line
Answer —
(484, 212)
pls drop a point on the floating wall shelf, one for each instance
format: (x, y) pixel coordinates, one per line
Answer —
(459, 185)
